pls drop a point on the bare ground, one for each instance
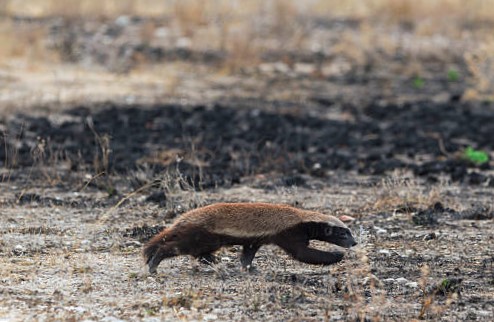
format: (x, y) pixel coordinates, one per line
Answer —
(62, 262)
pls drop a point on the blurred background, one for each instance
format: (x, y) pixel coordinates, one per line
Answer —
(57, 52)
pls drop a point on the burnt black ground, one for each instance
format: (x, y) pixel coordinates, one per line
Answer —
(220, 144)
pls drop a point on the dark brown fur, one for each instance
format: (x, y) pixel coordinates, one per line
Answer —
(191, 234)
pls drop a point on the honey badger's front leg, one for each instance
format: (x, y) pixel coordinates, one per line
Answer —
(157, 252)
(301, 251)
(314, 256)
(248, 253)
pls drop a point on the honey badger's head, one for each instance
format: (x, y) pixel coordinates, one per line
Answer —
(336, 232)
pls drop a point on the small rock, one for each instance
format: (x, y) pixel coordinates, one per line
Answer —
(386, 252)
(111, 319)
(484, 313)
(412, 284)
(372, 278)
(183, 42)
(19, 250)
(132, 243)
(401, 280)
(430, 236)
(304, 68)
(380, 231)
(281, 67)
(209, 317)
(346, 218)
(122, 21)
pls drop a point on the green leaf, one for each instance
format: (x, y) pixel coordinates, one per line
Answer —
(476, 156)
(445, 283)
(453, 75)
(418, 82)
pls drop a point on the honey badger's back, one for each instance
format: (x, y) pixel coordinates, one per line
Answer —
(244, 219)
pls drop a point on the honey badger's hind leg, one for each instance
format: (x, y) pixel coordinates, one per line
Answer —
(207, 258)
(248, 253)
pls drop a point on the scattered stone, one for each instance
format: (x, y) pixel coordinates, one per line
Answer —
(380, 231)
(111, 319)
(210, 317)
(430, 236)
(346, 219)
(401, 280)
(19, 250)
(371, 278)
(132, 243)
(412, 284)
(484, 313)
(384, 252)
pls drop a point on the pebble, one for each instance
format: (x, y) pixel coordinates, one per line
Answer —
(111, 319)
(123, 21)
(380, 231)
(373, 278)
(346, 218)
(209, 317)
(401, 280)
(484, 313)
(384, 252)
(412, 284)
(19, 250)
(134, 243)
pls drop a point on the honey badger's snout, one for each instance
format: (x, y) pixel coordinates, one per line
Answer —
(347, 240)
(351, 241)
(341, 236)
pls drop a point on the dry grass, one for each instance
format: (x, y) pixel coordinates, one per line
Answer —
(401, 190)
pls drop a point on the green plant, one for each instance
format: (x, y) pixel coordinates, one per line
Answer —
(476, 156)
(418, 82)
(453, 75)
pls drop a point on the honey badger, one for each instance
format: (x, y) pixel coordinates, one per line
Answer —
(202, 231)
